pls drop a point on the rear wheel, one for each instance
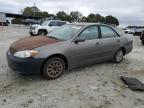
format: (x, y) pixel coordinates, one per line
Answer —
(53, 68)
(118, 56)
(41, 32)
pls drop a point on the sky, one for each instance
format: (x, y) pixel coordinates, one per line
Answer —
(128, 12)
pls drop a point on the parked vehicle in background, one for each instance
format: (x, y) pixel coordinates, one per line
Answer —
(68, 47)
(3, 24)
(29, 22)
(128, 31)
(46, 27)
(138, 32)
(142, 37)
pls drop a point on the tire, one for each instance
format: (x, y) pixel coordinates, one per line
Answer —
(31, 34)
(53, 68)
(118, 57)
(42, 33)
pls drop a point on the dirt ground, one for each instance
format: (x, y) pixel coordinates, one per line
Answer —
(97, 86)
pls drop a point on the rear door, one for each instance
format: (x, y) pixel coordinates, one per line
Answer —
(110, 41)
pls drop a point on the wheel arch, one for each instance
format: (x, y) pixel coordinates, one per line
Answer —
(42, 30)
(55, 55)
(124, 50)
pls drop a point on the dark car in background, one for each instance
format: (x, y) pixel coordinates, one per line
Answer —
(68, 47)
(142, 37)
(138, 32)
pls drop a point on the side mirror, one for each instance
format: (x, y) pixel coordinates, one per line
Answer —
(79, 39)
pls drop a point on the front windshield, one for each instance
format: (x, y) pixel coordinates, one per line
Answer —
(65, 32)
(45, 23)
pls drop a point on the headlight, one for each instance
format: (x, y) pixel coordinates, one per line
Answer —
(26, 53)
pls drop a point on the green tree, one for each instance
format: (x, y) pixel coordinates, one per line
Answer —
(75, 16)
(52, 16)
(45, 14)
(84, 19)
(68, 18)
(61, 15)
(91, 18)
(31, 11)
(17, 21)
(99, 18)
(111, 20)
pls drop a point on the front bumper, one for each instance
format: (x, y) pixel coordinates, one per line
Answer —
(24, 66)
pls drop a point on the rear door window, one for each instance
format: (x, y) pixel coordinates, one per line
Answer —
(107, 32)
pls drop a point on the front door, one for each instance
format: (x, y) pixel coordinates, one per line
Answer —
(89, 50)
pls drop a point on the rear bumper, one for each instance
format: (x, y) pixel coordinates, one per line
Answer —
(128, 50)
(128, 47)
(24, 66)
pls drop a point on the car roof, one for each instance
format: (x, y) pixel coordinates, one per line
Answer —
(87, 24)
(117, 29)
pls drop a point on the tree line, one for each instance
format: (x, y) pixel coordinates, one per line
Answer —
(73, 16)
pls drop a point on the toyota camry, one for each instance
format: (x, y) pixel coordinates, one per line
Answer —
(68, 47)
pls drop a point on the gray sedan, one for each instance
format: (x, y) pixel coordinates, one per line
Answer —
(70, 46)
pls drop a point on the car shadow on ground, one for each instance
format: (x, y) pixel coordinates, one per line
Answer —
(39, 77)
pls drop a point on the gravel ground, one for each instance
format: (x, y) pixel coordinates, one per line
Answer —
(97, 86)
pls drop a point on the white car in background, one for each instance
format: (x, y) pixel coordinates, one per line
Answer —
(128, 31)
(46, 27)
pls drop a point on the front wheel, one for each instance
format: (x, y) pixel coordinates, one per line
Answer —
(53, 68)
(42, 33)
(118, 57)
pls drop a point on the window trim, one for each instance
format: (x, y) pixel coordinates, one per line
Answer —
(91, 26)
(109, 28)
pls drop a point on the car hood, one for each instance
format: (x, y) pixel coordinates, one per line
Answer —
(29, 43)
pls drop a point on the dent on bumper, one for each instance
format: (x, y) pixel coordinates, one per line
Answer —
(24, 66)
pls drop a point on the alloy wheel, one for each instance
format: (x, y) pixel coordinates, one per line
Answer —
(54, 68)
(119, 56)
